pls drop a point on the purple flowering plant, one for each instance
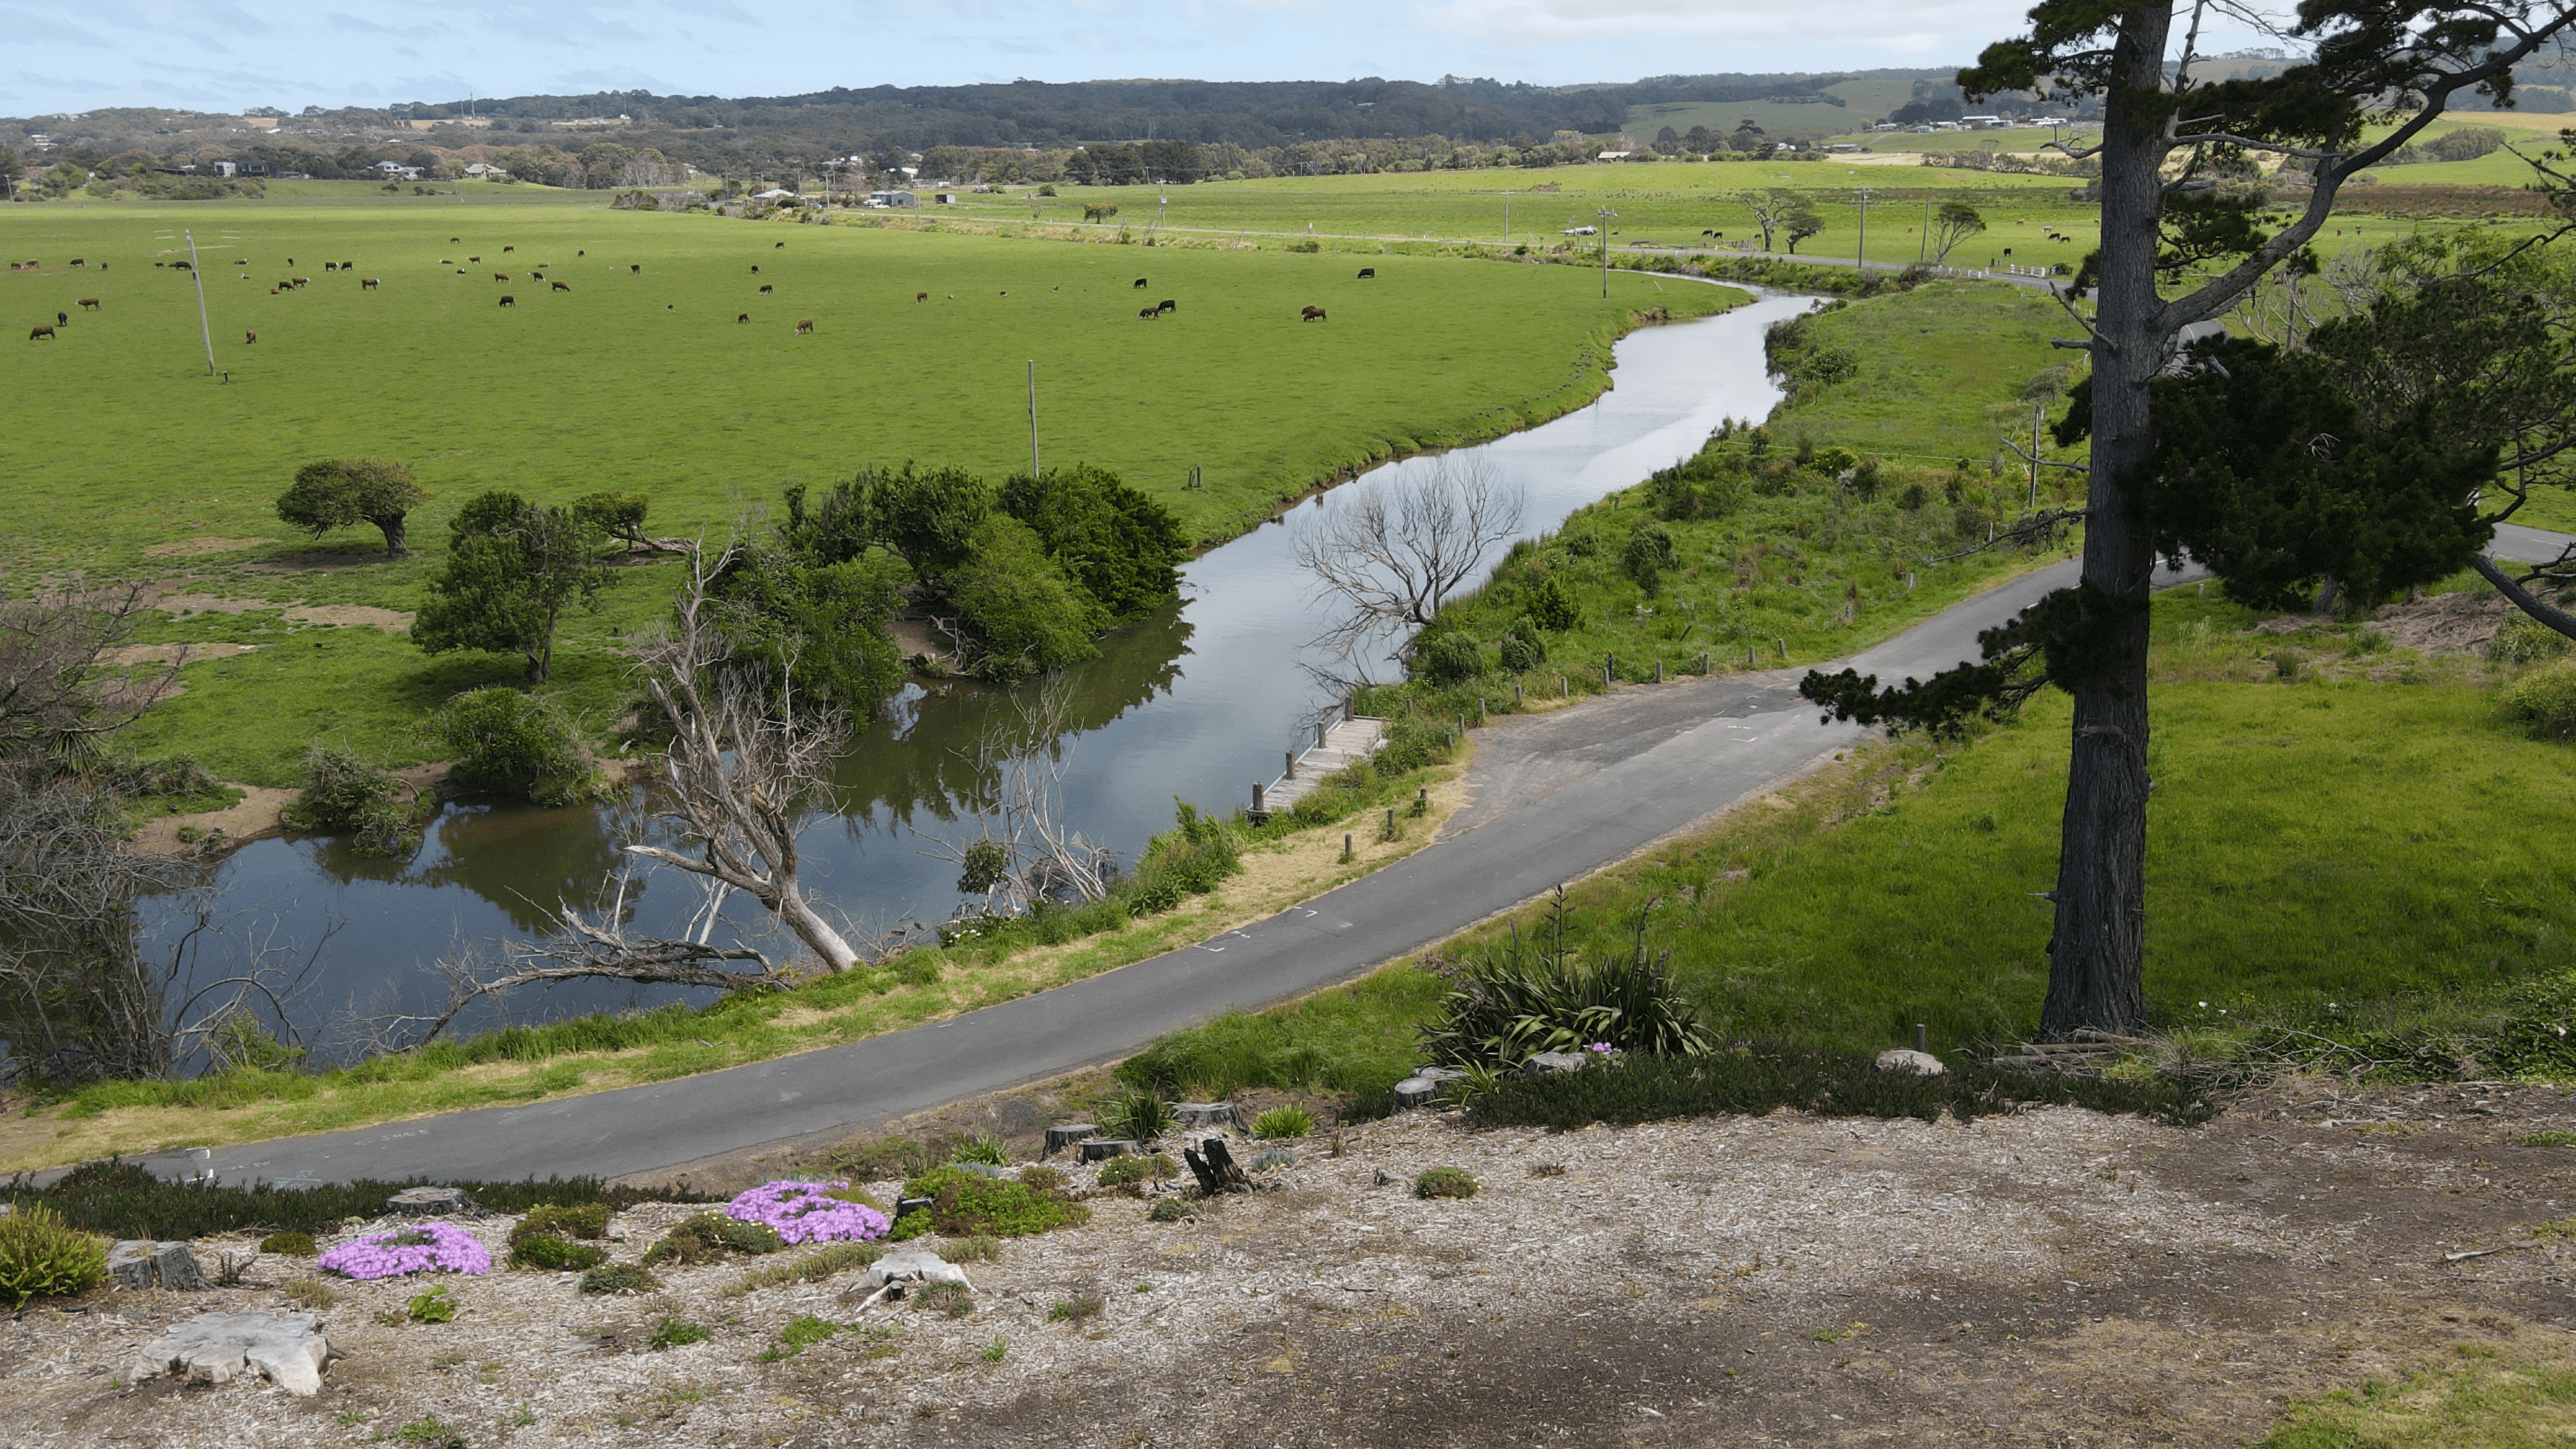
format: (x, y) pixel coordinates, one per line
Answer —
(427, 1248)
(806, 1212)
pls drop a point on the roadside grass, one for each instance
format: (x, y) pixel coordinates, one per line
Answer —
(2479, 1396)
(1297, 856)
(643, 381)
(2323, 855)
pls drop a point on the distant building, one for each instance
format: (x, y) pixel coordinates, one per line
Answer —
(883, 200)
(227, 170)
(392, 170)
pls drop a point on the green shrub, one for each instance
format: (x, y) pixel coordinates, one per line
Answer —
(2543, 700)
(952, 1299)
(1444, 1182)
(1076, 1311)
(1445, 657)
(516, 744)
(564, 1220)
(1027, 615)
(434, 1306)
(1524, 997)
(1173, 1210)
(674, 1332)
(547, 1253)
(1552, 605)
(1524, 646)
(1129, 1171)
(983, 1147)
(1284, 1122)
(963, 1204)
(1647, 554)
(123, 1200)
(619, 1278)
(797, 1337)
(1193, 858)
(709, 1235)
(1139, 1116)
(344, 795)
(41, 1256)
(289, 1244)
(974, 1250)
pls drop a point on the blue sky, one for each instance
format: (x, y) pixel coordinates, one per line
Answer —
(223, 55)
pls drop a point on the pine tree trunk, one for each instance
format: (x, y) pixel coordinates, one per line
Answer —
(2096, 958)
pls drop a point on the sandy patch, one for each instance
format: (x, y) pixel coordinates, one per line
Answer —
(132, 654)
(392, 621)
(252, 816)
(2463, 623)
(201, 545)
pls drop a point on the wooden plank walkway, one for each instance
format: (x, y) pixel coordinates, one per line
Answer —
(1332, 747)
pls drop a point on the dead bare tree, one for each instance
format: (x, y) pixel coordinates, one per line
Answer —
(743, 764)
(63, 686)
(1023, 849)
(1394, 554)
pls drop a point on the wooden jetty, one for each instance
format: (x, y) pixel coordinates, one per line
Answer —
(1336, 743)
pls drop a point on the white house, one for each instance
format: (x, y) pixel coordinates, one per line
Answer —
(776, 194)
(882, 200)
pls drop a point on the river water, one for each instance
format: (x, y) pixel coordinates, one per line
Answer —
(1195, 703)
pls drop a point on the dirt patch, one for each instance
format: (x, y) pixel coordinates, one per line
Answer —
(392, 621)
(128, 655)
(252, 816)
(202, 545)
(2051, 1277)
(2445, 623)
(182, 604)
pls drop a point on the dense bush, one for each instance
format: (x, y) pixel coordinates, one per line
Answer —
(517, 744)
(1647, 554)
(41, 1256)
(821, 627)
(1139, 1116)
(549, 1253)
(564, 1220)
(2544, 700)
(963, 1204)
(1284, 1122)
(619, 1278)
(123, 1200)
(1523, 646)
(1192, 859)
(711, 1235)
(1444, 1182)
(1521, 998)
(1121, 547)
(1755, 1079)
(1026, 613)
(1552, 605)
(344, 795)
(1445, 657)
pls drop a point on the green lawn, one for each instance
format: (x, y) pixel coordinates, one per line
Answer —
(642, 380)
(1940, 369)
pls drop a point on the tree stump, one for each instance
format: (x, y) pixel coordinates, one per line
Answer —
(1215, 1168)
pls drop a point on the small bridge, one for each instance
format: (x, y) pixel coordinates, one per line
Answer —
(1336, 743)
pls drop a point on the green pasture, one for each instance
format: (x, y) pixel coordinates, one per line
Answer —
(1939, 374)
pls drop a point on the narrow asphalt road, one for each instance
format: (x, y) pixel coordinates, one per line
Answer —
(1555, 796)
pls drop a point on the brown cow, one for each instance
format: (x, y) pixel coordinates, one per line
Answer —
(300, 281)
(348, 266)
(742, 317)
(241, 261)
(1150, 313)
(78, 262)
(921, 296)
(447, 261)
(634, 266)
(473, 259)
(40, 332)
(766, 289)
(509, 249)
(330, 266)
(451, 241)
(561, 286)
(805, 326)
(509, 301)
(89, 304)
(776, 244)
(1310, 314)
(500, 276)
(249, 337)
(369, 284)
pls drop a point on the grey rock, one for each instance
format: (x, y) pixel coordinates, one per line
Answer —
(1546, 1062)
(898, 1273)
(1101, 1149)
(1209, 1114)
(221, 1347)
(980, 1169)
(431, 1202)
(1906, 1059)
(1066, 1134)
(143, 1264)
(1416, 1092)
(1439, 1074)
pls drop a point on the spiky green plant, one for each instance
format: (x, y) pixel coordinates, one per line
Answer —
(1529, 997)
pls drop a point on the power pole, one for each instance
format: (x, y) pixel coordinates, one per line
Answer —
(1033, 417)
(199, 274)
(1860, 259)
(1605, 214)
(1923, 243)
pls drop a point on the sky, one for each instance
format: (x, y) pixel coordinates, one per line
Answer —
(225, 55)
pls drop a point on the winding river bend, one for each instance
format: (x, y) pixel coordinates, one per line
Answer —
(1194, 703)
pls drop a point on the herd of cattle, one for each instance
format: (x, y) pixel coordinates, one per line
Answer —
(48, 332)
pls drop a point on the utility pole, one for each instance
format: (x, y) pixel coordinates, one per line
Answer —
(1860, 259)
(1923, 243)
(1033, 418)
(198, 273)
(1507, 216)
(1605, 214)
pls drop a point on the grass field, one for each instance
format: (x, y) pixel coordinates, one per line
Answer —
(643, 380)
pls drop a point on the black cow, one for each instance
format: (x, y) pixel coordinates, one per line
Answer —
(1167, 305)
(1367, 272)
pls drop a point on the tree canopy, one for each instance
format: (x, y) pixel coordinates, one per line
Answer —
(340, 492)
(512, 568)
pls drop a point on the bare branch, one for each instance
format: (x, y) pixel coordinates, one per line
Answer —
(1393, 554)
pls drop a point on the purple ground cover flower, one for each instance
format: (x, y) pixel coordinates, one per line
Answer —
(427, 1248)
(800, 1212)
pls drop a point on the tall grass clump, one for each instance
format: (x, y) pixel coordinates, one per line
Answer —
(42, 1256)
(1523, 998)
(2543, 700)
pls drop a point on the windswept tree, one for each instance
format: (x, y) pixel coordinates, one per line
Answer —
(1782, 210)
(1952, 223)
(512, 569)
(1389, 557)
(2183, 239)
(340, 492)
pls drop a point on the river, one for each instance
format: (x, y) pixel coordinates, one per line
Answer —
(1195, 703)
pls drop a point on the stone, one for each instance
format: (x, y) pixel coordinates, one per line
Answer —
(897, 1273)
(980, 1169)
(1906, 1059)
(1101, 1149)
(1440, 1074)
(1066, 1134)
(1546, 1062)
(221, 1347)
(1208, 1114)
(1416, 1092)
(432, 1202)
(145, 1264)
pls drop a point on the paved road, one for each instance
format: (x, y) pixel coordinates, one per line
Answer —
(1556, 796)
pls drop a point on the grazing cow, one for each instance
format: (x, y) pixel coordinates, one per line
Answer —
(1149, 313)
(742, 317)
(249, 337)
(561, 286)
(1006, 291)
(473, 259)
(369, 284)
(755, 269)
(89, 304)
(40, 333)
(765, 289)
(805, 326)
(348, 266)
(1167, 305)
(509, 249)
(1310, 314)
(300, 281)
(78, 262)
(921, 296)
(580, 253)
(1140, 284)
(634, 266)
(62, 319)
(183, 266)
(500, 276)
(283, 285)
(451, 241)
(509, 301)
(778, 244)
(447, 261)
(330, 266)
(1367, 272)
(536, 276)
(241, 261)
(290, 261)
